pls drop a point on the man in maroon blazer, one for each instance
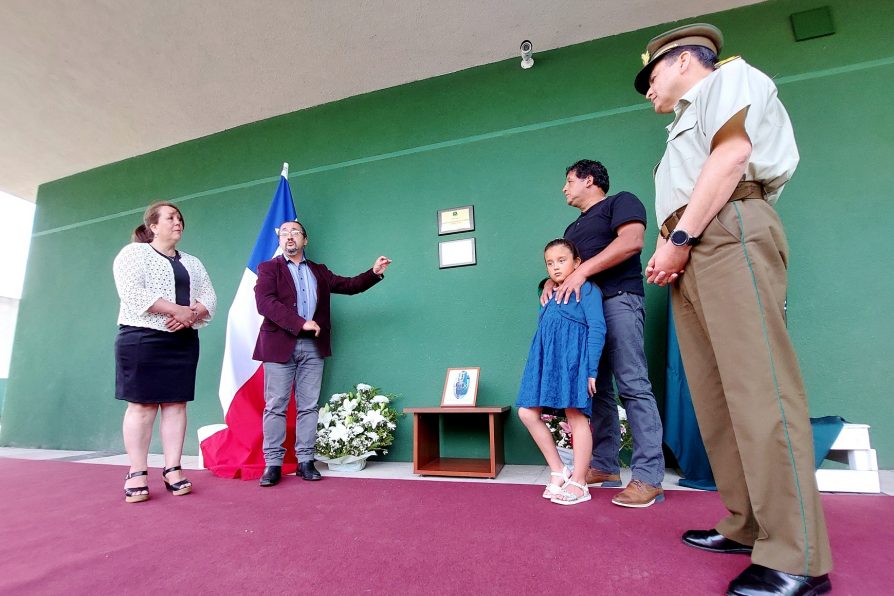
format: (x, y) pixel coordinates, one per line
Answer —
(292, 294)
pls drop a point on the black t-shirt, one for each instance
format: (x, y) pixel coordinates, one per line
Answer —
(596, 228)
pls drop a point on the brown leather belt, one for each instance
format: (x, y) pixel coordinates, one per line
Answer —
(746, 189)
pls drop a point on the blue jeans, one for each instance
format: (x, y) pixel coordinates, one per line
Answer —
(624, 358)
(304, 372)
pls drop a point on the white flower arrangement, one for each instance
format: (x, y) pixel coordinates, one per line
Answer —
(355, 425)
(626, 435)
(560, 429)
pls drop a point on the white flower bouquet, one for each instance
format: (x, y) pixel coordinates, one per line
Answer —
(626, 435)
(353, 426)
(560, 429)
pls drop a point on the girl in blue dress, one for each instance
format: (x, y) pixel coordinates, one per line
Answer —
(561, 374)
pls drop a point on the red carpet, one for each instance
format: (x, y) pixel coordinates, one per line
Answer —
(64, 528)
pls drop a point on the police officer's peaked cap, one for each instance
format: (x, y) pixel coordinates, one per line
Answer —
(698, 34)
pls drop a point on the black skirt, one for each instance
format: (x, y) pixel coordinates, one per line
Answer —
(155, 367)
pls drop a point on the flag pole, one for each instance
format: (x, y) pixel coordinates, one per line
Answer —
(285, 170)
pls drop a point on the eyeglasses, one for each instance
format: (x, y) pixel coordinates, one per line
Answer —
(290, 233)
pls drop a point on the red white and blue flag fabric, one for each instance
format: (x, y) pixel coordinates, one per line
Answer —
(235, 449)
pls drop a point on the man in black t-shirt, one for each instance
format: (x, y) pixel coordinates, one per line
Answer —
(609, 235)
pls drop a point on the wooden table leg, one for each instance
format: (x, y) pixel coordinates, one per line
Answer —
(426, 440)
(496, 444)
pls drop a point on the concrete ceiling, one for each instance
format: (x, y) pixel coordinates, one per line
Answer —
(84, 83)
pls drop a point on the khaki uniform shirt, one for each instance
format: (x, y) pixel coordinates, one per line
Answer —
(702, 111)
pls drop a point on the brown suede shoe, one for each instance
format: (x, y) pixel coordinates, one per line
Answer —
(638, 494)
(605, 479)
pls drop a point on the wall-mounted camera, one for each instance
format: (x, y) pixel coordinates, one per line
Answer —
(527, 51)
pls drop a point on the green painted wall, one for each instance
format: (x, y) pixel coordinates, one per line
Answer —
(369, 174)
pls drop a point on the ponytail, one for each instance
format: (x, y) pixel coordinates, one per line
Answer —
(142, 234)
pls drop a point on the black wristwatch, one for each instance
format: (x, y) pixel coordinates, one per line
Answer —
(682, 238)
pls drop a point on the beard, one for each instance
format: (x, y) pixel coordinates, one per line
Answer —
(291, 251)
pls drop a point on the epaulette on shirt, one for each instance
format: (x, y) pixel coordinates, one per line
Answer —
(726, 61)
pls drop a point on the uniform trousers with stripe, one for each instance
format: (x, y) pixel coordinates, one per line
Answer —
(747, 390)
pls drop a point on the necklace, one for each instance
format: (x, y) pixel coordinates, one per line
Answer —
(175, 257)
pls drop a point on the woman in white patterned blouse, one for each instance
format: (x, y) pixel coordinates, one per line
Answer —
(166, 295)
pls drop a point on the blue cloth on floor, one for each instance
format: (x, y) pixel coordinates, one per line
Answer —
(825, 431)
(681, 431)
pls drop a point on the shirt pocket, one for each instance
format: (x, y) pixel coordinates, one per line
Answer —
(684, 141)
(687, 121)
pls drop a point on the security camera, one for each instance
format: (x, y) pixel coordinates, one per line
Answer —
(526, 49)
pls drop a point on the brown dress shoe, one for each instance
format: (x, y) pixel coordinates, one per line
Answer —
(639, 494)
(605, 479)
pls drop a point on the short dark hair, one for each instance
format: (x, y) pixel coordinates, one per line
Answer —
(588, 167)
(295, 221)
(705, 56)
(563, 242)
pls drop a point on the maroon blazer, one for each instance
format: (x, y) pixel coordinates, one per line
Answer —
(276, 298)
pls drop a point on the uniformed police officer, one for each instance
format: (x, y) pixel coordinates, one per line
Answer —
(730, 150)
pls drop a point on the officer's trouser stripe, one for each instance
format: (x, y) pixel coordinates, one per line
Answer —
(772, 362)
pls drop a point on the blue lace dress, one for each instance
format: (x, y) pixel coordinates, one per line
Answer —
(565, 351)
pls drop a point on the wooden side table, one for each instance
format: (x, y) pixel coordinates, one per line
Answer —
(427, 460)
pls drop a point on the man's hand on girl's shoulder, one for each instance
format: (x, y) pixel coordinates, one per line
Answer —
(571, 285)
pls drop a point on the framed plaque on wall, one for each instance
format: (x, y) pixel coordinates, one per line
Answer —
(455, 220)
(456, 253)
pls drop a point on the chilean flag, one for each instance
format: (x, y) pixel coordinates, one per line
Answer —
(234, 450)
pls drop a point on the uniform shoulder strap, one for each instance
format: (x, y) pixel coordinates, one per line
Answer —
(726, 61)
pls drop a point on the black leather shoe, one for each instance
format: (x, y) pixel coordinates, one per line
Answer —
(715, 542)
(308, 471)
(271, 476)
(759, 580)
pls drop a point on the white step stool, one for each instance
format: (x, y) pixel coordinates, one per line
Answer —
(851, 448)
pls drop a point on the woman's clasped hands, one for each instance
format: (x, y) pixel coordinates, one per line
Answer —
(182, 317)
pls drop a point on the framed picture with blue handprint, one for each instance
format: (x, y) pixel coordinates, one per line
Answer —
(461, 387)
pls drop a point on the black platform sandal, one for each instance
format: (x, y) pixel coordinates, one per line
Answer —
(136, 494)
(184, 487)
